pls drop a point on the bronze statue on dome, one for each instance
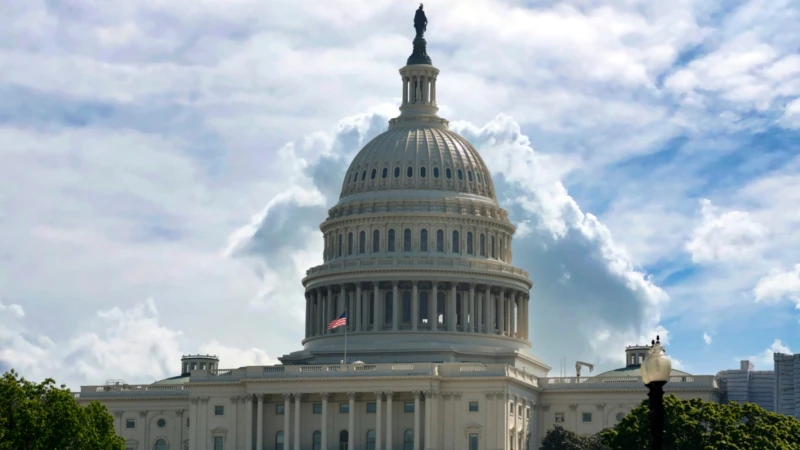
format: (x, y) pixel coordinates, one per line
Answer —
(420, 21)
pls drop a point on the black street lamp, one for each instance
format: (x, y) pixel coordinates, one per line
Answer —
(655, 374)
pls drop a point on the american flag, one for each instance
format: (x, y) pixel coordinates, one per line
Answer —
(339, 321)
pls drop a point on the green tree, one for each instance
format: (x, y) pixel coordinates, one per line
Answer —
(41, 416)
(558, 438)
(699, 425)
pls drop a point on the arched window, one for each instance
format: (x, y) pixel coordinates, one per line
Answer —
(440, 307)
(408, 440)
(385, 172)
(316, 440)
(493, 254)
(406, 317)
(371, 440)
(362, 242)
(448, 173)
(423, 307)
(390, 244)
(279, 440)
(388, 307)
(456, 246)
(161, 444)
(422, 172)
(482, 245)
(423, 240)
(397, 172)
(469, 243)
(363, 175)
(407, 240)
(440, 241)
(350, 243)
(435, 172)
(375, 172)
(343, 435)
(341, 247)
(410, 172)
(469, 175)
(460, 174)
(376, 241)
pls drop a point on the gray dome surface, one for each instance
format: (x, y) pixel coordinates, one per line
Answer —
(421, 157)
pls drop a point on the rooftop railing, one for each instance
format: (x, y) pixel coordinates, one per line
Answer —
(682, 382)
(422, 263)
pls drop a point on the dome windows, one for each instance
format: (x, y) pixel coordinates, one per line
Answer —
(390, 242)
(397, 172)
(375, 172)
(409, 172)
(422, 172)
(435, 172)
(469, 243)
(469, 175)
(456, 246)
(448, 173)
(362, 242)
(350, 244)
(376, 240)
(440, 241)
(363, 175)
(478, 176)
(355, 176)
(460, 175)
(423, 240)
(385, 172)
(407, 240)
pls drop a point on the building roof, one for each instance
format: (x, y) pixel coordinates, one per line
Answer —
(635, 370)
(180, 379)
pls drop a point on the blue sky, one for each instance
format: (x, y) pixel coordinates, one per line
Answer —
(166, 165)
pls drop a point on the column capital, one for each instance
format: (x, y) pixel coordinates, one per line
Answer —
(545, 407)
(430, 394)
(297, 396)
(379, 394)
(287, 396)
(178, 412)
(248, 398)
(435, 284)
(118, 412)
(417, 394)
(601, 406)
(446, 395)
(325, 396)
(389, 395)
(414, 283)
(472, 286)
(260, 397)
(573, 407)
(489, 395)
(143, 413)
(193, 400)
(395, 283)
(457, 394)
(351, 396)
(235, 399)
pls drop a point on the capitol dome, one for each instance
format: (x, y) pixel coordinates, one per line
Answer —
(417, 260)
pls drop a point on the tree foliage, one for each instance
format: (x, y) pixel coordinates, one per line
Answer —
(699, 425)
(558, 438)
(42, 416)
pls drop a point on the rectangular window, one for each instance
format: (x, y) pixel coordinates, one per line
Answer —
(219, 410)
(586, 417)
(130, 423)
(473, 441)
(511, 409)
(559, 417)
(371, 408)
(317, 408)
(279, 409)
(344, 408)
(408, 407)
(187, 422)
(519, 410)
(473, 406)
(218, 445)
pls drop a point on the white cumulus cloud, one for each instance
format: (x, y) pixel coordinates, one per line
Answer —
(729, 236)
(779, 285)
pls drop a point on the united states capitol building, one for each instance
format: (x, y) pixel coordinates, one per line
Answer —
(418, 255)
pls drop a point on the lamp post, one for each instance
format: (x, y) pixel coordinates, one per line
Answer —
(655, 374)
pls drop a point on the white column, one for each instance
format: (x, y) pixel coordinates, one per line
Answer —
(235, 404)
(451, 308)
(192, 423)
(432, 300)
(501, 312)
(378, 407)
(515, 315)
(414, 305)
(463, 312)
(405, 100)
(395, 308)
(287, 411)
(489, 310)
(204, 435)
(260, 421)
(428, 419)
(487, 416)
(479, 312)
(359, 308)
(471, 309)
(380, 316)
(433, 90)
(389, 423)
(435, 414)
(248, 406)
(417, 427)
(351, 417)
(297, 397)
(515, 405)
(324, 425)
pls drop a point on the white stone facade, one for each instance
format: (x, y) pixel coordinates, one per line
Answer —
(418, 254)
